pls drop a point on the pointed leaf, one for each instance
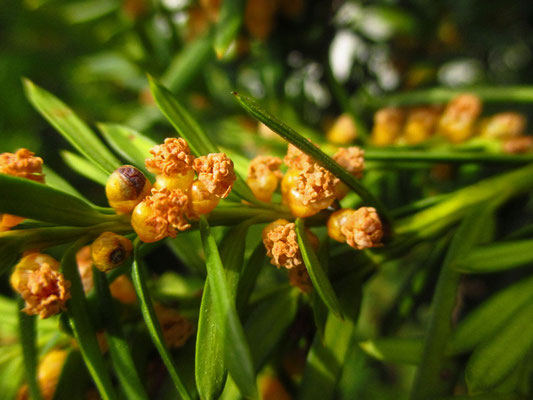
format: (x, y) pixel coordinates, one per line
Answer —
(229, 23)
(496, 257)
(395, 350)
(327, 356)
(316, 272)
(71, 127)
(84, 167)
(118, 347)
(236, 351)
(74, 379)
(52, 179)
(489, 318)
(188, 63)
(140, 282)
(496, 358)
(78, 315)
(128, 143)
(268, 322)
(30, 199)
(28, 335)
(210, 368)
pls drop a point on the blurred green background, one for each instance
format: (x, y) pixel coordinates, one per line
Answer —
(300, 57)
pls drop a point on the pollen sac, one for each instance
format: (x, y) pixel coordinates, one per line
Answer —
(363, 229)
(38, 280)
(388, 124)
(352, 159)
(458, 119)
(23, 164)
(310, 191)
(296, 158)
(336, 221)
(110, 250)
(281, 243)
(264, 176)
(126, 187)
(160, 215)
(216, 172)
(170, 158)
(201, 201)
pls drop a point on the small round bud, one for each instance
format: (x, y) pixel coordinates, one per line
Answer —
(518, 145)
(363, 229)
(125, 188)
(458, 119)
(388, 123)
(336, 221)
(48, 374)
(143, 224)
(295, 200)
(176, 328)
(122, 289)
(308, 192)
(161, 214)
(264, 176)
(200, 200)
(175, 181)
(41, 285)
(110, 250)
(343, 130)
(503, 125)
(421, 123)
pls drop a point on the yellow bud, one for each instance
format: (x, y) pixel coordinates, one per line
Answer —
(147, 232)
(110, 250)
(175, 181)
(263, 186)
(294, 200)
(336, 221)
(201, 201)
(343, 130)
(288, 181)
(125, 188)
(30, 263)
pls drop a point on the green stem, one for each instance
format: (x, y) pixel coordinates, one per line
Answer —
(508, 94)
(118, 347)
(434, 219)
(78, 314)
(436, 372)
(27, 334)
(140, 278)
(444, 156)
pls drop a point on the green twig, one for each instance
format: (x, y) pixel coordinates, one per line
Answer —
(508, 94)
(28, 335)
